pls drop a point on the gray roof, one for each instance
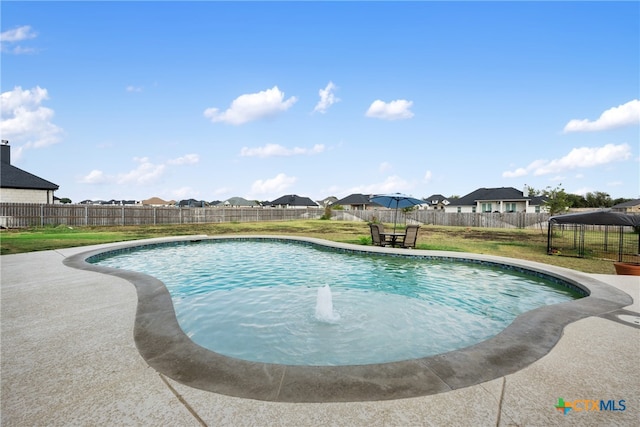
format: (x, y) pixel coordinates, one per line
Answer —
(628, 204)
(490, 194)
(356, 199)
(13, 177)
(436, 198)
(294, 200)
(239, 201)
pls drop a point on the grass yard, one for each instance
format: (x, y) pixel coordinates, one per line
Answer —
(514, 243)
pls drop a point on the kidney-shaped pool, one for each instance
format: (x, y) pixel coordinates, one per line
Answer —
(294, 304)
(307, 320)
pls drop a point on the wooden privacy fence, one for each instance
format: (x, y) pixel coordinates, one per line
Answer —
(466, 219)
(15, 215)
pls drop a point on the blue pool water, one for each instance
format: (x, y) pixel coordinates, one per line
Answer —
(256, 300)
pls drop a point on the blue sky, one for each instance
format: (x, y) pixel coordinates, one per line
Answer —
(210, 100)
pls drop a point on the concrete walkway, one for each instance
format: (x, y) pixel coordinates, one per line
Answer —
(69, 358)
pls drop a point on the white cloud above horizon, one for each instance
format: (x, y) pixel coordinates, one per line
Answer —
(623, 115)
(252, 106)
(184, 193)
(327, 98)
(273, 150)
(187, 159)
(271, 186)
(144, 174)
(394, 110)
(26, 121)
(392, 184)
(9, 38)
(582, 157)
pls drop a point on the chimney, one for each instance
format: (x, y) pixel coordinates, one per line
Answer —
(5, 152)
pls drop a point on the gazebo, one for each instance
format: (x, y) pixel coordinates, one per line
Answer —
(602, 234)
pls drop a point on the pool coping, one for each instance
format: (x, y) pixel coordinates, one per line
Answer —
(166, 348)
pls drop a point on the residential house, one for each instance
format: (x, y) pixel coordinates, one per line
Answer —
(437, 202)
(293, 201)
(157, 201)
(502, 199)
(19, 186)
(327, 201)
(238, 202)
(192, 203)
(630, 207)
(357, 202)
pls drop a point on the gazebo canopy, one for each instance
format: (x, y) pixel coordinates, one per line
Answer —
(599, 217)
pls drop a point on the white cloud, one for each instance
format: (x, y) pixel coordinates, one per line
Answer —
(582, 191)
(25, 120)
(271, 150)
(94, 177)
(384, 167)
(394, 110)
(18, 34)
(277, 184)
(327, 98)
(392, 184)
(184, 193)
(145, 173)
(583, 157)
(9, 38)
(252, 106)
(428, 176)
(131, 88)
(622, 115)
(187, 159)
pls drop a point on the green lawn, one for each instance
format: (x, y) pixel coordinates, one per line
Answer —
(523, 244)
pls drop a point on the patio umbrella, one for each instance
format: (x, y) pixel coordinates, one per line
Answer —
(396, 201)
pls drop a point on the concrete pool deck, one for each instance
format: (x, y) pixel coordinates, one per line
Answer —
(69, 358)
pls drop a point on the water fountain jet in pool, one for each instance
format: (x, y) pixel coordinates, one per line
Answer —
(324, 306)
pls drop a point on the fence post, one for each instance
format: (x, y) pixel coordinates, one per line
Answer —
(41, 215)
(621, 248)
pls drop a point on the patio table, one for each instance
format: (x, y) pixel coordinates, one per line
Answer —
(393, 238)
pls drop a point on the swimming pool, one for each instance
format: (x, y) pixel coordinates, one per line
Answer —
(257, 300)
(166, 348)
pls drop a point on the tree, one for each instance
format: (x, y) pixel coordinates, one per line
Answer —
(620, 200)
(557, 199)
(576, 201)
(598, 199)
(65, 200)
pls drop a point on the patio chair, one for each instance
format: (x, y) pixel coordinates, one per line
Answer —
(377, 235)
(410, 236)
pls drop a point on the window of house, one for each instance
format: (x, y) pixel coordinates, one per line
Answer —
(486, 207)
(459, 209)
(537, 209)
(473, 209)
(510, 207)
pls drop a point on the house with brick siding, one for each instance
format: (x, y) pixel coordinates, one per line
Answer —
(19, 186)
